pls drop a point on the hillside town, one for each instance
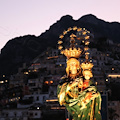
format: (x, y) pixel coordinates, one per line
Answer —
(31, 94)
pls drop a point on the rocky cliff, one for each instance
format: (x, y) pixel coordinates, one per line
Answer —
(23, 49)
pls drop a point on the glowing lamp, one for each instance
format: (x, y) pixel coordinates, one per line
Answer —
(60, 42)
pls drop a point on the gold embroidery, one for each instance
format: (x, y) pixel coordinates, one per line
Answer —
(78, 104)
(98, 112)
(67, 98)
(73, 112)
(72, 94)
(96, 104)
(92, 111)
(83, 116)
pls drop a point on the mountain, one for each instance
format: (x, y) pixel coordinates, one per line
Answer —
(23, 49)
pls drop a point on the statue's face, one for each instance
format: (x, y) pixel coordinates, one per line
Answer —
(87, 75)
(73, 67)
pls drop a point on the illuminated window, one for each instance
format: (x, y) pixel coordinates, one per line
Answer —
(1, 81)
(51, 100)
(3, 75)
(113, 68)
(34, 70)
(96, 83)
(106, 80)
(60, 64)
(46, 82)
(114, 75)
(51, 82)
(6, 80)
(38, 108)
(26, 73)
(90, 60)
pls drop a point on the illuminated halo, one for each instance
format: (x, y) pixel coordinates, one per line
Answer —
(82, 34)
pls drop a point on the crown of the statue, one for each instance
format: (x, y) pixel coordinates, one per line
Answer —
(72, 52)
(86, 66)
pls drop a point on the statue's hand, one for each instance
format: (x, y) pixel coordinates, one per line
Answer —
(73, 84)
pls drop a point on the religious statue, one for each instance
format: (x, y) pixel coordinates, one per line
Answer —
(76, 91)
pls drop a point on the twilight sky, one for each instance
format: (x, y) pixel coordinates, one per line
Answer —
(23, 17)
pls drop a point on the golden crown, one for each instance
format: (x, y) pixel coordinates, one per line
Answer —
(72, 52)
(86, 66)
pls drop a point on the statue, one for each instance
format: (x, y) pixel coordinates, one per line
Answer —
(75, 90)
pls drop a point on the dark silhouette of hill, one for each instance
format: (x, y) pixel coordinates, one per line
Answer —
(23, 49)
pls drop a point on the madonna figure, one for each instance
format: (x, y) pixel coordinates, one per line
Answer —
(75, 90)
(78, 94)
